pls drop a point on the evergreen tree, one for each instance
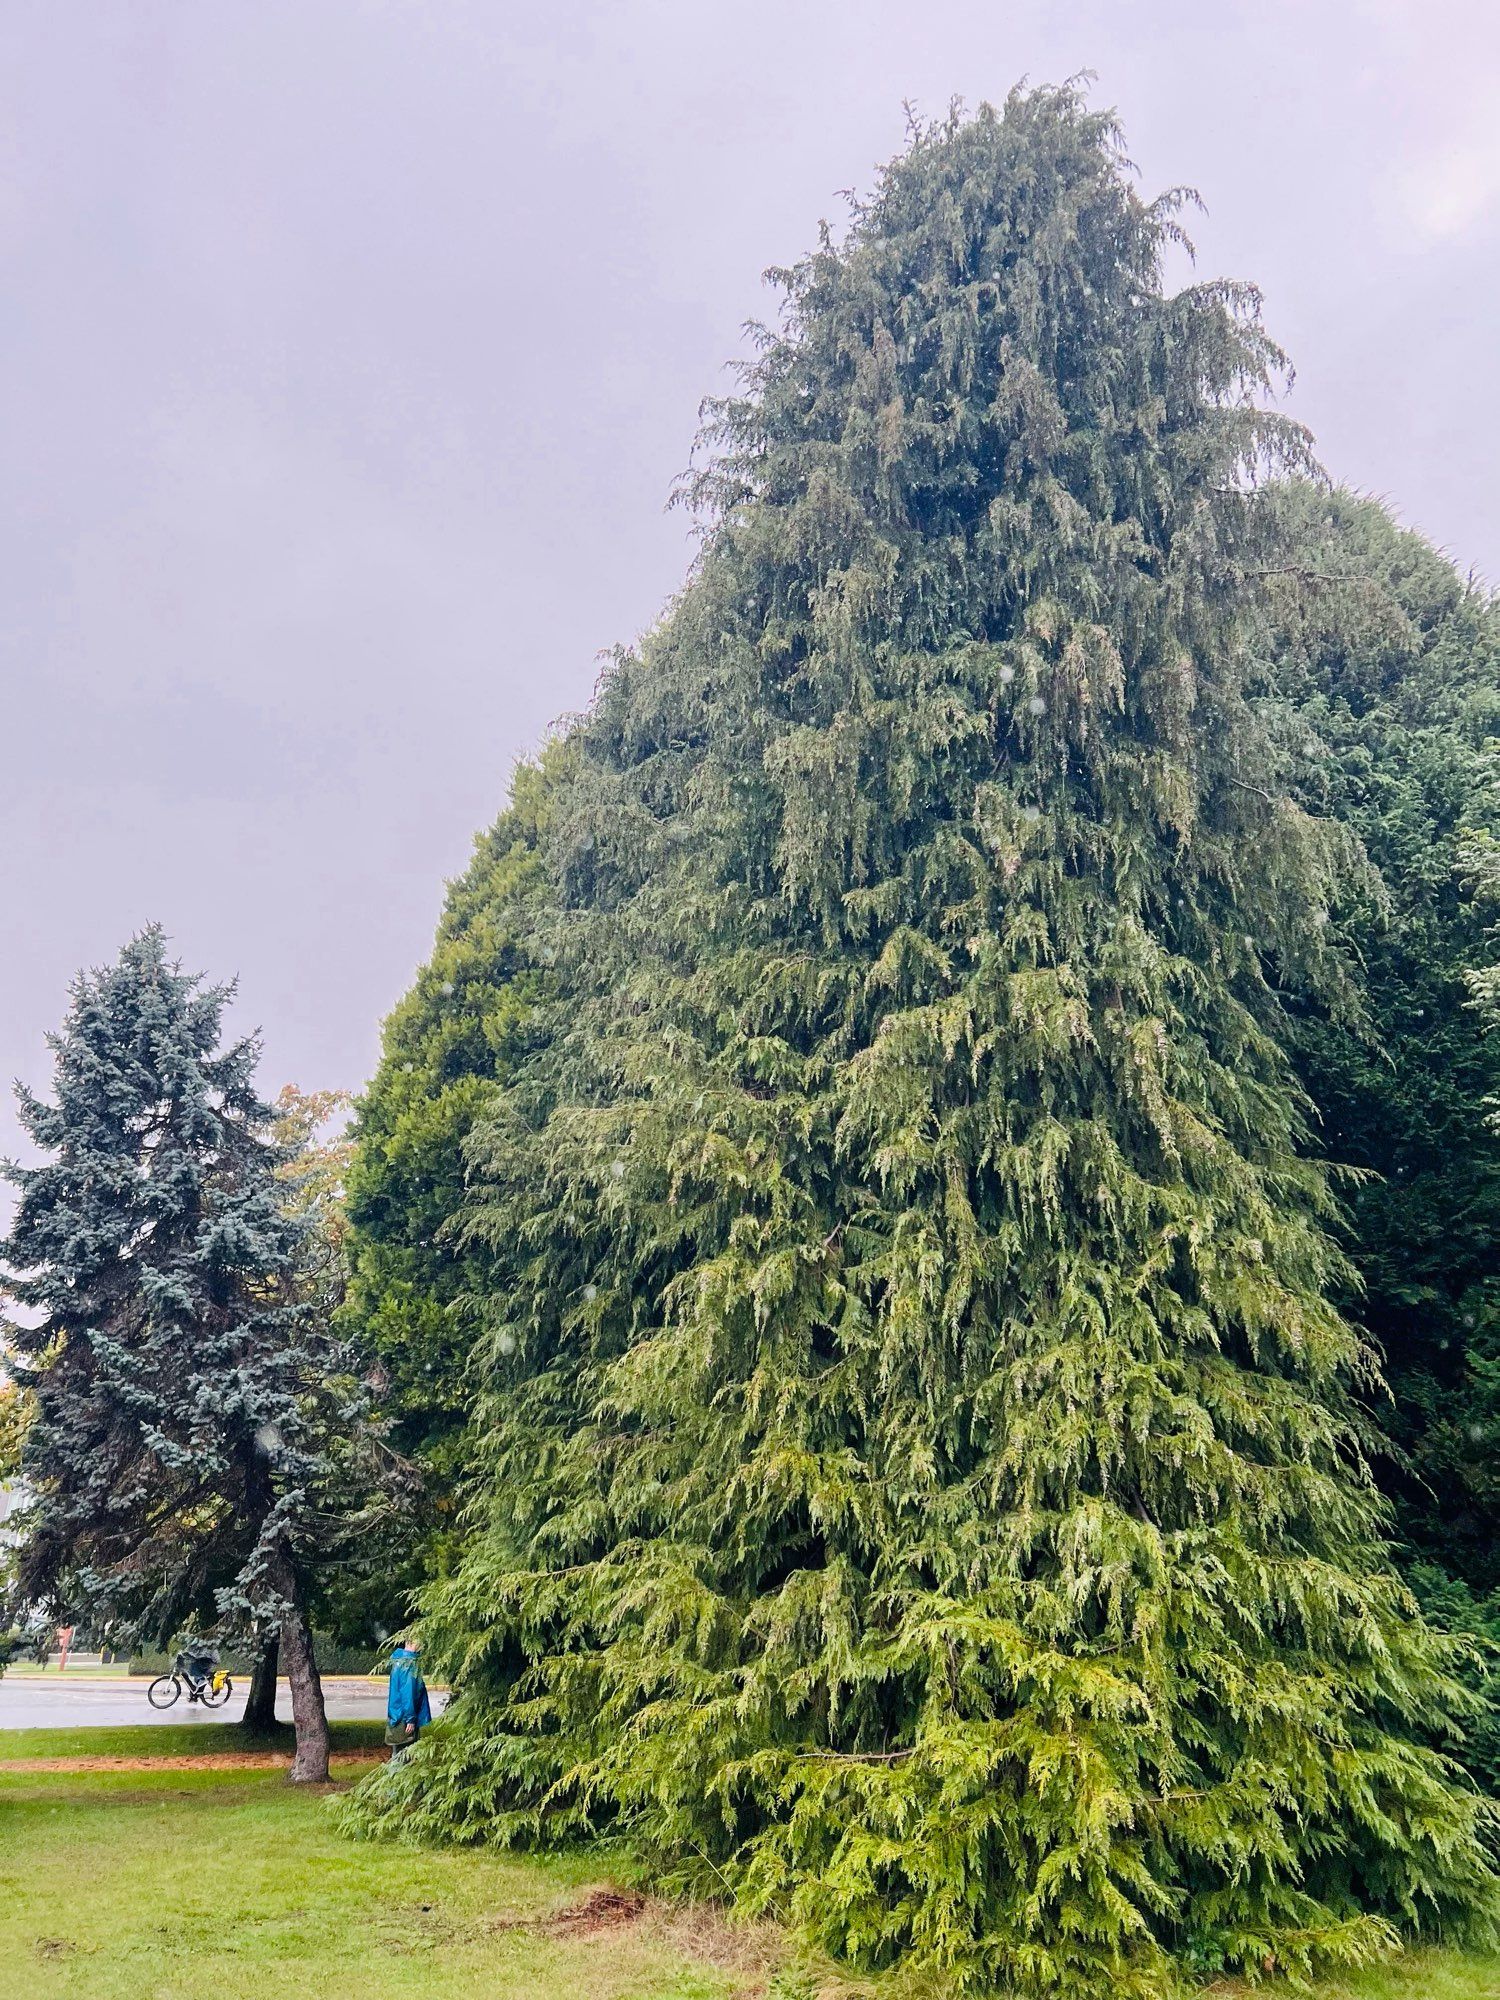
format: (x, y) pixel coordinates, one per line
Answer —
(923, 1486)
(1382, 690)
(418, 1295)
(190, 1407)
(361, 1579)
(1479, 866)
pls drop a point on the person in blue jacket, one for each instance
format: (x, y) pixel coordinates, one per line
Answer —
(407, 1709)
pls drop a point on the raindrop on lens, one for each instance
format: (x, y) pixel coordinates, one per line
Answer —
(1007, 675)
(618, 1170)
(591, 1292)
(1032, 813)
(447, 987)
(506, 1343)
(1037, 705)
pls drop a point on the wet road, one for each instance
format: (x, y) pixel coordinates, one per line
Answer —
(53, 1701)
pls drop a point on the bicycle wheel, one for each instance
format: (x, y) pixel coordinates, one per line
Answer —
(216, 1694)
(163, 1691)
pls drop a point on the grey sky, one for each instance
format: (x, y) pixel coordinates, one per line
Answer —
(350, 348)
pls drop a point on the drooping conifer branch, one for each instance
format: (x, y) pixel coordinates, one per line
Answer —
(920, 1482)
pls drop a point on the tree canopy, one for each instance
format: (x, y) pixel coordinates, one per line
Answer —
(418, 1293)
(192, 1418)
(1383, 694)
(923, 1472)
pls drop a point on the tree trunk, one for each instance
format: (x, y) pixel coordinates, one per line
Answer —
(309, 1717)
(260, 1705)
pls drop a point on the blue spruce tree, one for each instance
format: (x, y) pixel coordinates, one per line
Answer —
(191, 1408)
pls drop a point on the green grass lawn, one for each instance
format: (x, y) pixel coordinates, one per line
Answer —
(231, 1885)
(1423, 1976)
(172, 1739)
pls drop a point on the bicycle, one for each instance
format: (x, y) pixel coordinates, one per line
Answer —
(212, 1689)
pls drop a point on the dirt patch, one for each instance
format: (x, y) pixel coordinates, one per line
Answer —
(218, 1760)
(51, 1948)
(600, 1910)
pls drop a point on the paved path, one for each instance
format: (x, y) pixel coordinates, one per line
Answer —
(59, 1702)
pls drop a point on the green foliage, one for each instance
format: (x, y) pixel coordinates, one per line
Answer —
(17, 1409)
(1384, 679)
(921, 1482)
(1450, 1604)
(193, 1418)
(361, 1587)
(1479, 866)
(416, 1292)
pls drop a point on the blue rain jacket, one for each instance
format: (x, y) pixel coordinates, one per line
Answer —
(406, 1701)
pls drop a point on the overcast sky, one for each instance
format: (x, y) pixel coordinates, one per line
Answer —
(350, 348)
